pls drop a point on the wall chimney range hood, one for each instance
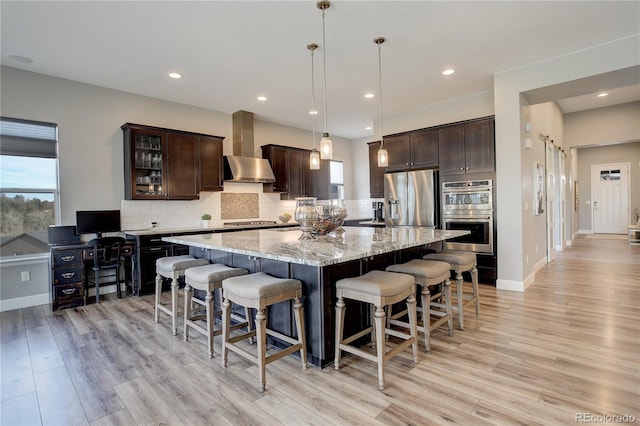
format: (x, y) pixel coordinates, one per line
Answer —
(242, 166)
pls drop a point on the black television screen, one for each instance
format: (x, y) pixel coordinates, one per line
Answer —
(97, 221)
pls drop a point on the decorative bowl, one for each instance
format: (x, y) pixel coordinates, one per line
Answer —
(325, 225)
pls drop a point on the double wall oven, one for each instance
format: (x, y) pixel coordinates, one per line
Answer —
(468, 206)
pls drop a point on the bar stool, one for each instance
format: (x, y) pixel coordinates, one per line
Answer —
(172, 267)
(379, 289)
(259, 291)
(208, 278)
(427, 273)
(461, 261)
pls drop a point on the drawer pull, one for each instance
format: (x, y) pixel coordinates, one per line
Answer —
(155, 249)
(68, 275)
(67, 258)
(69, 291)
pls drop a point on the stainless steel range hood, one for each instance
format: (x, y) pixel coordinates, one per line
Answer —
(242, 166)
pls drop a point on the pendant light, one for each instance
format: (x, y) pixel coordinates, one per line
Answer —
(314, 157)
(326, 146)
(383, 154)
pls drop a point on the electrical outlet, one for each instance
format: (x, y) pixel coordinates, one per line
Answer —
(154, 224)
(25, 275)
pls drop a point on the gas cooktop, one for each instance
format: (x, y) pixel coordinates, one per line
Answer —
(251, 222)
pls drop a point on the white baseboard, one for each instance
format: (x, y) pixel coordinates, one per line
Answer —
(584, 231)
(24, 302)
(511, 285)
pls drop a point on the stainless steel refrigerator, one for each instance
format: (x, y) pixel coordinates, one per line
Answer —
(411, 198)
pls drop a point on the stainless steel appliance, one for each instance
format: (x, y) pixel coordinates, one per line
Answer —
(378, 207)
(410, 198)
(468, 205)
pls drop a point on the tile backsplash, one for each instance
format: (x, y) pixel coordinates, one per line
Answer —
(238, 201)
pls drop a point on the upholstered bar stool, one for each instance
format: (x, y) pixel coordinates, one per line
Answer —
(208, 278)
(461, 261)
(427, 273)
(259, 291)
(172, 267)
(380, 289)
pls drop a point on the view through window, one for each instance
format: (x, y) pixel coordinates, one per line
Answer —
(28, 185)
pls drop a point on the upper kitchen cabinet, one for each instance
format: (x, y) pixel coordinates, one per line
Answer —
(211, 167)
(294, 177)
(413, 150)
(164, 164)
(467, 147)
(376, 174)
(182, 167)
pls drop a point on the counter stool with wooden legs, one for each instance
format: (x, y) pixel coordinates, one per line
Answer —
(461, 261)
(427, 273)
(208, 278)
(380, 289)
(172, 267)
(259, 291)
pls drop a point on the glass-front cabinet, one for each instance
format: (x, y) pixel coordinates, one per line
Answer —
(166, 164)
(147, 156)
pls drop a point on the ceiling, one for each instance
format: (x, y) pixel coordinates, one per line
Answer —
(230, 52)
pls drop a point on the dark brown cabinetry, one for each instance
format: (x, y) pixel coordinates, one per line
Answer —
(467, 147)
(376, 174)
(294, 177)
(211, 168)
(67, 274)
(165, 164)
(413, 150)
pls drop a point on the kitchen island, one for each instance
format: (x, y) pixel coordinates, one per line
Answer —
(318, 264)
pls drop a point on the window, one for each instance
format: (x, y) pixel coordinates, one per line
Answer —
(28, 185)
(336, 178)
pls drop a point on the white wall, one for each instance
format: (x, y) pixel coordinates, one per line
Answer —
(91, 157)
(615, 124)
(605, 127)
(508, 87)
(545, 119)
(90, 140)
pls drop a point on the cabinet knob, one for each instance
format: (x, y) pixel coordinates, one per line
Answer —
(467, 168)
(406, 164)
(461, 168)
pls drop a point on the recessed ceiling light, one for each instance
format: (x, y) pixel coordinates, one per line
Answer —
(262, 98)
(368, 128)
(448, 71)
(369, 95)
(20, 58)
(175, 75)
(602, 95)
(313, 112)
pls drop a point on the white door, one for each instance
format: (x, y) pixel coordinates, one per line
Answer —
(561, 195)
(551, 203)
(610, 198)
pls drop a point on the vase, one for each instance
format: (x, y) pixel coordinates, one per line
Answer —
(339, 214)
(205, 223)
(305, 215)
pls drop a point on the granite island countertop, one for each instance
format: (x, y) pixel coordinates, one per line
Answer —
(200, 229)
(283, 244)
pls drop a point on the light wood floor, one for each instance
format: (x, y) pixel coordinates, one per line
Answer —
(569, 345)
